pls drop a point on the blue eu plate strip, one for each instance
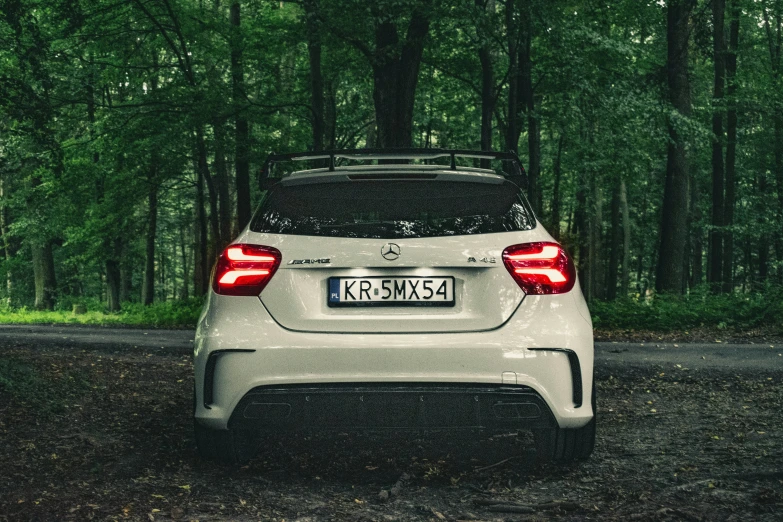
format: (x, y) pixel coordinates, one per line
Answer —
(334, 290)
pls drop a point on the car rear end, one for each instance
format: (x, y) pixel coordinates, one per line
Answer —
(393, 297)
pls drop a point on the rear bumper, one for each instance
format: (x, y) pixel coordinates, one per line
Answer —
(240, 350)
(391, 406)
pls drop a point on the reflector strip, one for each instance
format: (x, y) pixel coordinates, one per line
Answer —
(236, 254)
(554, 275)
(229, 278)
(548, 252)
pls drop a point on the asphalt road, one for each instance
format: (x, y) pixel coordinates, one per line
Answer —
(680, 356)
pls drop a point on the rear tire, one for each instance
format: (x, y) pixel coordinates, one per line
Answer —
(566, 445)
(218, 445)
(226, 447)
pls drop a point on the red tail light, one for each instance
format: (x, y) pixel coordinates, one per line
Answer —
(245, 269)
(540, 268)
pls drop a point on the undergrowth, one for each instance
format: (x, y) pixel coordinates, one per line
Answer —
(164, 314)
(738, 311)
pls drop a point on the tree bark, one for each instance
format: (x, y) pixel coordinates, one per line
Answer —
(200, 266)
(616, 242)
(45, 280)
(528, 98)
(731, 148)
(715, 238)
(697, 239)
(624, 279)
(4, 222)
(112, 285)
(512, 127)
(487, 79)
(242, 129)
(222, 187)
(395, 77)
(773, 25)
(557, 174)
(203, 167)
(316, 79)
(674, 233)
(583, 237)
(148, 285)
(596, 240)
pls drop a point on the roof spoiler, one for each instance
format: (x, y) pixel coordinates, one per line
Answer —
(517, 174)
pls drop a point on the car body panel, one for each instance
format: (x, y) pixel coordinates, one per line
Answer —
(486, 296)
(494, 335)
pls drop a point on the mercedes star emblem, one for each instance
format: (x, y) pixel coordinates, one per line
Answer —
(390, 251)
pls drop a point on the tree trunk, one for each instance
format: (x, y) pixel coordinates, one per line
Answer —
(719, 58)
(487, 79)
(731, 148)
(200, 264)
(242, 129)
(4, 222)
(222, 187)
(512, 128)
(316, 80)
(596, 240)
(112, 285)
(697, 233)
(528, 98)
(624, 279)
(773, 25)
(557, 173)
(395, 77)
(674, 233)
(583, 237)
(763, 237)
(616, 243)
(203, 166)
(148, 285)
(330, 117)
(185, 293)
(43, 270)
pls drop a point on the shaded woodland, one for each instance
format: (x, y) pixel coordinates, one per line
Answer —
(132, 131)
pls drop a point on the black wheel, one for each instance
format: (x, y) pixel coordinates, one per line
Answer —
(224, 446)
(566, 444)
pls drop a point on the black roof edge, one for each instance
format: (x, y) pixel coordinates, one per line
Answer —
(392, 154)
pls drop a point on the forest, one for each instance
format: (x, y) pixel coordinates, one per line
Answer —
(132, 131)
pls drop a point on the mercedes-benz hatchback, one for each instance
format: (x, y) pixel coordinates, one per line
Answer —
(395, 296)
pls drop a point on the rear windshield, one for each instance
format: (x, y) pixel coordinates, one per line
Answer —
(393, 209)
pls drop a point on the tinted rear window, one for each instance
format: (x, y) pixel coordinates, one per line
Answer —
(393, 209)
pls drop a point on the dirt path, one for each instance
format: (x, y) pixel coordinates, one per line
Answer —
(695, 356)
(105, 435)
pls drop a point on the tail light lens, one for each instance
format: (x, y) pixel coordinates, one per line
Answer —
(540, 268)
(245, 269)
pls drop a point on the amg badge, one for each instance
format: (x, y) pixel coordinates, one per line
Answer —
(325, 260)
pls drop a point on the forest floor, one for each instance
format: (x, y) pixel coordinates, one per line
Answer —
(105, 434)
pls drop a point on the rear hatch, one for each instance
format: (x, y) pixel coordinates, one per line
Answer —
(365, 254)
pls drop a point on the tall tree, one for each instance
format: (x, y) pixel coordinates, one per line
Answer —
(674, 211)
(242, 129)
(316, 78)
(529, 99)
(731, 146)
(715, 273)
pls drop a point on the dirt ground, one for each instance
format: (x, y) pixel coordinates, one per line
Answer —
(101, 435)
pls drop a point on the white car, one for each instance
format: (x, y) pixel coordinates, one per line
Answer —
(395, 296)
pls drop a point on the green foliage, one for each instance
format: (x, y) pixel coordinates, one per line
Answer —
(670, 312)
(102, 104)
(166, 314)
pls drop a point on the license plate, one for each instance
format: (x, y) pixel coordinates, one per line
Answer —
(391, 291)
